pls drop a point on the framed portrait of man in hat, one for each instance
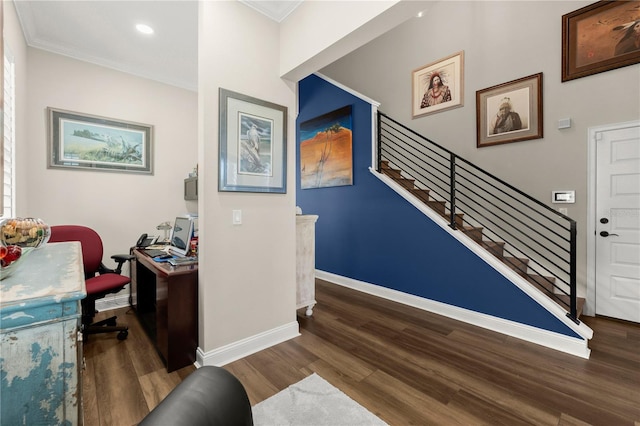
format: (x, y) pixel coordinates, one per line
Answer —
(510, 112)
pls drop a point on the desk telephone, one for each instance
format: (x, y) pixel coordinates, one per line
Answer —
(145, 240)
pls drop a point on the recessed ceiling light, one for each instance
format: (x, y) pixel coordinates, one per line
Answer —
(144, 29)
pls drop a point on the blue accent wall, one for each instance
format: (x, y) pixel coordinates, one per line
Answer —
(369, 233)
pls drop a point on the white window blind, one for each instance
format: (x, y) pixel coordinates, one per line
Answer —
(8, 143)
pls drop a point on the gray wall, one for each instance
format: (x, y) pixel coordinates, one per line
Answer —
(502, 41)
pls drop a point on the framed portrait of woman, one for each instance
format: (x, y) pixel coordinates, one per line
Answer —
(438, 86)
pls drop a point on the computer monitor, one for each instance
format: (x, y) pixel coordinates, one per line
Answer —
(181, 236)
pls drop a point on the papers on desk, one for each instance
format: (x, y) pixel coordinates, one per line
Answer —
(180, 261)
(156, 247)
(165, 258)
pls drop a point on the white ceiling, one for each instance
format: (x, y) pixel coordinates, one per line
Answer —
(103, 32)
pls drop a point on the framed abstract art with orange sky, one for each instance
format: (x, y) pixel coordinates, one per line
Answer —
(326, 153)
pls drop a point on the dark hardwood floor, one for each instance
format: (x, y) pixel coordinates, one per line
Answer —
(405, 365)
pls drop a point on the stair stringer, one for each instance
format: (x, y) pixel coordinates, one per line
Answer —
(553, 308)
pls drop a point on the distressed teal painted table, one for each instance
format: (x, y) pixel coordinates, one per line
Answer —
(40, 344)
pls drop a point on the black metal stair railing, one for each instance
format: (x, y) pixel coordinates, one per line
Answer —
(533, 239)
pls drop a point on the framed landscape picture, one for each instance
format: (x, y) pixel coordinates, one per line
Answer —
(438, 86)
(253, 144)
(90, 142)
(600, 37)
(510, 112)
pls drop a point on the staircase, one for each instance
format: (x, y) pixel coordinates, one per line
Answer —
(532, 239)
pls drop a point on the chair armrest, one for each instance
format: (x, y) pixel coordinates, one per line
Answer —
(120, 259)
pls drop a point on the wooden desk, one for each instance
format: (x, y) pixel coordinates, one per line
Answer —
(165, 299)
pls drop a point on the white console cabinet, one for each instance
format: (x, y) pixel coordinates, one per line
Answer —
(306, 262)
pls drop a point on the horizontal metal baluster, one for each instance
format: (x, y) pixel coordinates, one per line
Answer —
(461, 184)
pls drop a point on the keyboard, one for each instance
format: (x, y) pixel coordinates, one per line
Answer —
(155, 252)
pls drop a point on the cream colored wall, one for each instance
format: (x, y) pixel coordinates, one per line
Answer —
(119, 206)
(331, 29)
(310, 21)
(502, 41)
(247, 272)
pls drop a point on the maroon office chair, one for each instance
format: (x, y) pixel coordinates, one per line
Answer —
(99, 279)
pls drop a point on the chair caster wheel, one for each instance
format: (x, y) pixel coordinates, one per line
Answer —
(123, 335)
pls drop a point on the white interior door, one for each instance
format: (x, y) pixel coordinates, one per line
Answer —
(618, 223)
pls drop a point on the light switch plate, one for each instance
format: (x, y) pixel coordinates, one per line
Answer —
(237, 217)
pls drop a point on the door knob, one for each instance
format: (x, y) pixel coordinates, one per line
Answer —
(604, 220)
(606, 234)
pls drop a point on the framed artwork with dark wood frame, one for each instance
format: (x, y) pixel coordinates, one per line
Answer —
(510, 112)
(600, 37)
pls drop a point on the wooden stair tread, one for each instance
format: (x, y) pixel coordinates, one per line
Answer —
(393, 173)
(438, 206)
(518, 264)
(496, 248)
(546, 284)
(459, 218)
(580, 301)
(422, 194)
(407, 183)
(473, 232)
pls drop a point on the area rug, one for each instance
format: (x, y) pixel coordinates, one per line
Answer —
(312, 402)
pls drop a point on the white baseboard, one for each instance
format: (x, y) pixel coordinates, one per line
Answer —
(225, 354)
(253, 344)
(560, 342)
(245, 347)
(118, 300)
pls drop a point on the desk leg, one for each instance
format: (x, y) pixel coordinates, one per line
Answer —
(162, 318)
(145, 299)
